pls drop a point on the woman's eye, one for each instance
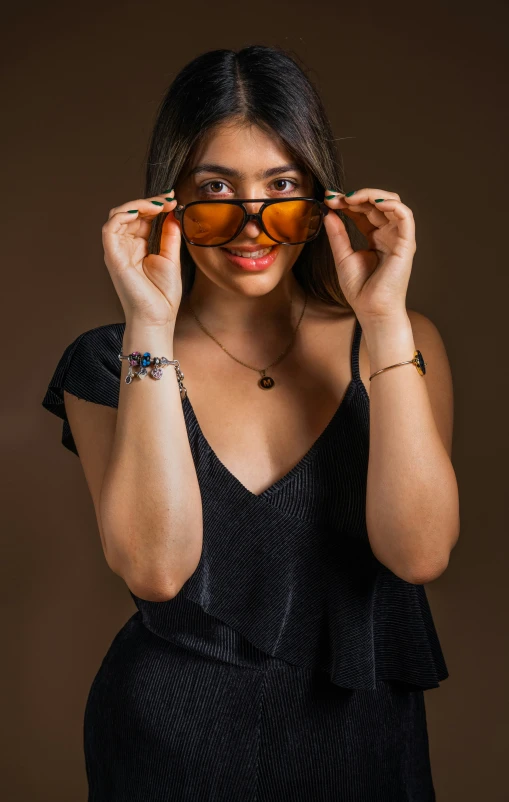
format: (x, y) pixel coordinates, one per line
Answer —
(210, 184)
(293, 184)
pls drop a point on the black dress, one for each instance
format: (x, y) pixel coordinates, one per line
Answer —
(291, 665)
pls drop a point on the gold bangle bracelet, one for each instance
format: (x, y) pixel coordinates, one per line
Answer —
(418, 361)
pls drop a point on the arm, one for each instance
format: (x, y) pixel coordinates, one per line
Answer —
(412, 504)
(140, 471)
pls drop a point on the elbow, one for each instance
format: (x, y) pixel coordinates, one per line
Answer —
(423, 574)
(149, 587)
(422, 568)
(152, 592)
(146, 585)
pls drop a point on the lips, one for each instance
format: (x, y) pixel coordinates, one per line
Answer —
(252, 263)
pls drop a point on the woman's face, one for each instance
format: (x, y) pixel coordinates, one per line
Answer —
(233, 163)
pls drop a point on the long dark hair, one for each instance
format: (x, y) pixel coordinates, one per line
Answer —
(259, 85)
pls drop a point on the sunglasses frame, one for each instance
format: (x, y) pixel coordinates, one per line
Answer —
(178, 212)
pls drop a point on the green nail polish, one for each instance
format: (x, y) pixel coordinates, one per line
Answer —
(167, 190)
(132, 211)
(330, 197)
(157, 203)
(379, 200)
(348, 194)
(170, 198)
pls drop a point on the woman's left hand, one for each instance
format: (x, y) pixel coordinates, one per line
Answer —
(374, 281)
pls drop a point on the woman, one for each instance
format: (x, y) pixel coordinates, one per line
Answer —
(276, 503)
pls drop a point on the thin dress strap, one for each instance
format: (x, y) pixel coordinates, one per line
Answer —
(354, 363)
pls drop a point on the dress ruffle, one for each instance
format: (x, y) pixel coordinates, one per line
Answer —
(286, 593)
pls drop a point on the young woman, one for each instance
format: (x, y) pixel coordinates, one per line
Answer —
(276, 503)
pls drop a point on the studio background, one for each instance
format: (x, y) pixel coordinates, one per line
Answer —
(415, 94)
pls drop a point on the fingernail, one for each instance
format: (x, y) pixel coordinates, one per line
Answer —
(333, 194)
(167, 190)
(157, 203)
(170, 198)
(351, 193)
(132, 211)
(379, 200)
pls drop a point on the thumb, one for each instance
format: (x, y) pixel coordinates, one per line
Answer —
(169, 246)
(163, 269)
(338, 237)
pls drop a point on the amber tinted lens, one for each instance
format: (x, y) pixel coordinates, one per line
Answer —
(292, 220)
(211, 223)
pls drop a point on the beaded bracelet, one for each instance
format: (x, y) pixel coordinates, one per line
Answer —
(143, 361)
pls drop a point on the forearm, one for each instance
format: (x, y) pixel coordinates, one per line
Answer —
(150, 505)
(412, 505)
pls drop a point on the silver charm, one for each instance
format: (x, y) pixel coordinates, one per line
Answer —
(157, 371)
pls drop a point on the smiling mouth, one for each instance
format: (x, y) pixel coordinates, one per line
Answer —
(250, 254)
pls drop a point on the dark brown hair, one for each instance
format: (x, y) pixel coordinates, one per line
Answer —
(257, 85)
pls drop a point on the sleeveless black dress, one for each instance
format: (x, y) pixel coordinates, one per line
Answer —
(291, 665)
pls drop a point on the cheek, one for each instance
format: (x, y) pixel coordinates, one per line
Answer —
(209, 260)
(295, 252)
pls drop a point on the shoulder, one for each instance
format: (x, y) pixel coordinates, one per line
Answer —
(438, 376)
(108, 334)
(98, 346)
(88, 368)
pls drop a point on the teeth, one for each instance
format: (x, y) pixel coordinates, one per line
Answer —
(251, 254)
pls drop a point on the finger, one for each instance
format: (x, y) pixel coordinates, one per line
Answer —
(358, 200)
(364, 194)
(355, 213)
(402, 215)
(145, 207)
(367, 214)
(137, 222)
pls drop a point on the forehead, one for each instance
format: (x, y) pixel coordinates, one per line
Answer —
(247, 149)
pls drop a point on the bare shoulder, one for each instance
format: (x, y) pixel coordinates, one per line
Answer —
(438, 376)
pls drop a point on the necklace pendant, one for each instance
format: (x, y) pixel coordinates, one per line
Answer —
(266, 382)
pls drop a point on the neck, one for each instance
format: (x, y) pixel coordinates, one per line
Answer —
(223, 311)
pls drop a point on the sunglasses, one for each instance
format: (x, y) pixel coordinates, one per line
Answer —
(287, 221)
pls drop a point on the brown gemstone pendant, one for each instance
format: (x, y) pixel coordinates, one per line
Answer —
(266, 382)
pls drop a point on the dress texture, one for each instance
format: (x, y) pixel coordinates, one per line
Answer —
(291, 665)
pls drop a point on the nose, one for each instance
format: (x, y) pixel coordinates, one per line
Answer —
(252, 228)
(252, 206)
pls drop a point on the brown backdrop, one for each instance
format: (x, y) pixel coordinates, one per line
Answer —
(415, 92)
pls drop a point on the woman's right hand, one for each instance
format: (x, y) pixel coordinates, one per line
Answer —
(149, 285)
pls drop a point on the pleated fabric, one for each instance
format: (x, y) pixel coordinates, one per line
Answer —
(292, 663)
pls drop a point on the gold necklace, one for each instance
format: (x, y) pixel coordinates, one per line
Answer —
(265, 382)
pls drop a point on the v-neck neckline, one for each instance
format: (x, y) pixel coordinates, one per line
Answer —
(297, 468)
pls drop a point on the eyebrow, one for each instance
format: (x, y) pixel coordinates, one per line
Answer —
(208, 167)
